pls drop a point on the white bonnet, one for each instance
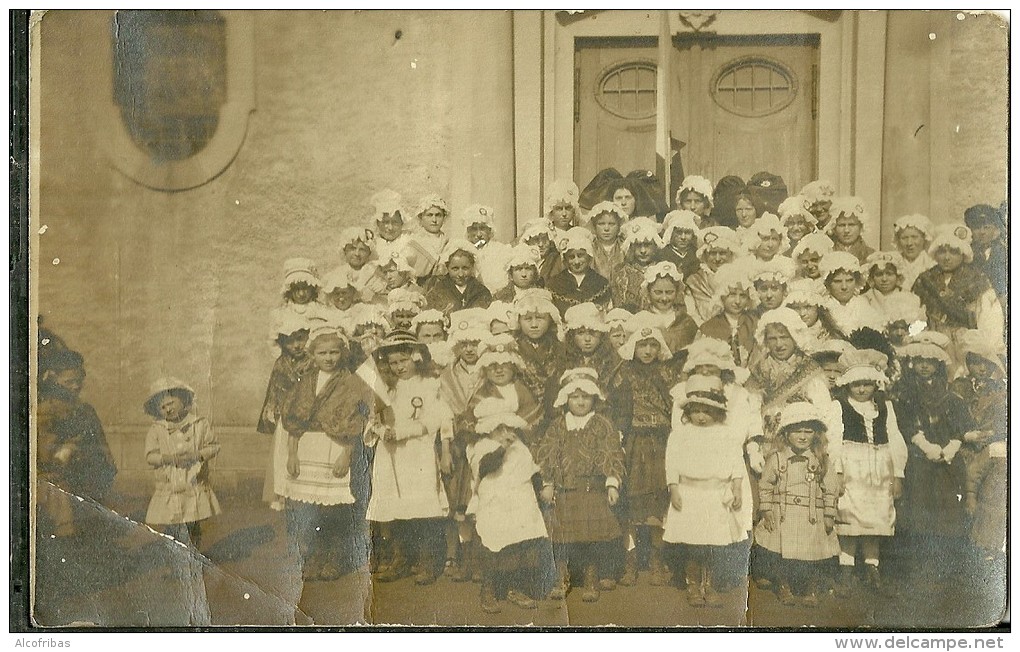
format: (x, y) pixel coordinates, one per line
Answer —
(405, 300)
(778, 270)
(607, 207)
(584, 379)
(703, 390)
(455, 245)
(698, 184)
(430, 316)
(662, 269)
(535, 227)
(835, 261)
(641, 229)
(578, 237)
(619, 317)
(585, 315)
(793, 414)
(502, 312)
(398, 260)
(882, 258)
(953, 236)
(430, 201)
(978, 343)
(863, 364)
(537, 300)
(478, 214)
(468, 325)
(680, 219)
(367, 314)
(915, 221)
(718, 237)
(807, 292)
(788, 318)
(561, 191)
(730, 275)
(522, 255)
(847, 206)
(499, 349)
(354, 234)
(817, 191)
(817, 242)
(644, 332)
(386, 202)
(795, 206)
(297, 270)
(766, 224)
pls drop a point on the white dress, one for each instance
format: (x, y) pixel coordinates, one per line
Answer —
(406, 482)
(505, 507)
(866, 506)
(703, 462)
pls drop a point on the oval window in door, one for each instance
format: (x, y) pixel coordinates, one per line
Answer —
(627, 90)
(754, 87)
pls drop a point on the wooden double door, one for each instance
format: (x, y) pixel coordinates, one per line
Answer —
(737, 105)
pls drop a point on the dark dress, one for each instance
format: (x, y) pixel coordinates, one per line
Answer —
(577, 464)
(443, 295)
(544, 363)
(932, 491)
(686, 264)
(626, 287)
(567, 293)
(285, 374)
(90, 471)
(641, 408)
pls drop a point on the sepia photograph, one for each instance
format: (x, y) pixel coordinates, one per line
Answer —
(516, 319)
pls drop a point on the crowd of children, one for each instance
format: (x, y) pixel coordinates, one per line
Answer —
(740, 383)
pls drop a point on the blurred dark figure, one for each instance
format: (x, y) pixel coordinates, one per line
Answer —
(72, 454)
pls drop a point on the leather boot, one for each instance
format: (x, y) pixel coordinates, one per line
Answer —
(490, 604)
(692, 578)
(559, 592)
(591, 584)
(462, 572)
(630, 571)
(712, 598)
(845, 581)
(660, 571)
(398, 567)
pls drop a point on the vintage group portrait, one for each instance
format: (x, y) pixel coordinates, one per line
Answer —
(518, 318)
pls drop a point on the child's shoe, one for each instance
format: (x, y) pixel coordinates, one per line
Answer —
(591, 585)
(810, 600)
(630, 572)
(874, 581)
(844, 585)
(712, 597)
(559, 592)
(490, 604)
(786, 596)
(695, 597)
(607, 584)
(660, 574)
(521, 600)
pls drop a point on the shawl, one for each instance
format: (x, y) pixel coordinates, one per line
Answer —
(565, 292)
(341, 410)
(570, 459)
(443, 295)
(951, 304)
(285, 374)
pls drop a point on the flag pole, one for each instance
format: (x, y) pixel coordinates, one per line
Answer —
(663, 79)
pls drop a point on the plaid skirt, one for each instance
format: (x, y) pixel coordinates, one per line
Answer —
(579, 516)
(646, 494)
